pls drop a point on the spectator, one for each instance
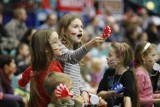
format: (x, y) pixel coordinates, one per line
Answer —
(7, 97)
(16, 27)
(50, 22)
(28, 36)
(22, 58)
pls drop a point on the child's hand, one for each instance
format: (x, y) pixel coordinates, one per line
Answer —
(95, 42)
(85, 96)
(78, 100)
(102, 103)
(156, 101)
(24, 100)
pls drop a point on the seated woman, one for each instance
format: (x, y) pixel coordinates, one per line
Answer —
(7, 97)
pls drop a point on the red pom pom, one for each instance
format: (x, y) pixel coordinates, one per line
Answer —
(107, 32)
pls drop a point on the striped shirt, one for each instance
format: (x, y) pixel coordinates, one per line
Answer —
(70, 61)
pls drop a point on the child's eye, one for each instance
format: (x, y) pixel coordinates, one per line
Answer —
(109, 55)
(82, 27)
(154, 55)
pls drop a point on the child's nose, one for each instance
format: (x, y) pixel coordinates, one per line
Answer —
(80, 29)
(107, 58)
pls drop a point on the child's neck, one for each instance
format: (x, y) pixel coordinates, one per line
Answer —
(120, 69)
(143, 68)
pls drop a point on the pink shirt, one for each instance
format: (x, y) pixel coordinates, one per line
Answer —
(145, 88)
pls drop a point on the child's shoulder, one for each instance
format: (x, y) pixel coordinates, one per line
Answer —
(140, 71)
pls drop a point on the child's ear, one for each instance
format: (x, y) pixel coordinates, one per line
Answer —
(120, 59)
(143, 58)
(6, 66)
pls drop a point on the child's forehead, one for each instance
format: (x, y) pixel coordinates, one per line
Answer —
(76, 21)
(152, 51)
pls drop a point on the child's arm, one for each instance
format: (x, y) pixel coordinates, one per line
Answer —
(26, 75)
(79, 101)
(74, 57)
(83, 91)
(106, 94)
(127, 102)
(102, 103)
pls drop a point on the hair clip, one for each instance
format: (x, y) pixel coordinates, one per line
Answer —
(62, 91)
(146, 47)
(132, 63)
(107, 32)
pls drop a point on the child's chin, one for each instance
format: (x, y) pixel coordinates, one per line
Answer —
(58, 54)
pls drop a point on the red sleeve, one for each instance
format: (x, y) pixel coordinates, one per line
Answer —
(26, 75)
(56, 67)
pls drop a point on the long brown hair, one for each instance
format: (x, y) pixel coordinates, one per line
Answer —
(41, 57)
(125, 53)
(62, 27)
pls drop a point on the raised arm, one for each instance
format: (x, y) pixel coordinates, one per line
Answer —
(72, 57)
(26, 75)
(75, 56)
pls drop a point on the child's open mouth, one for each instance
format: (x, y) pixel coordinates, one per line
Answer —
(79, 36)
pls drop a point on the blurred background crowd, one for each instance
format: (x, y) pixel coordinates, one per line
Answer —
(132, 21)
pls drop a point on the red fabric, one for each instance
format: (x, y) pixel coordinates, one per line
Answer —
(46, 4)
(55, 66)
(72, 5)
(25, 77)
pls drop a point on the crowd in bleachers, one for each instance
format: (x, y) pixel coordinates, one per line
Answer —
(15, 38)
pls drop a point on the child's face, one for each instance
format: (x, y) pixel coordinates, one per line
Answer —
(24, 50)
(75, 31)
(150, 59)
(112, 59)
(11, 67)
(54, 42)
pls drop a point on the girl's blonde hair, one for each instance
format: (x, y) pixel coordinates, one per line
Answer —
(62, 27)
(124, 52)
(53, 79)
(142, 49)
